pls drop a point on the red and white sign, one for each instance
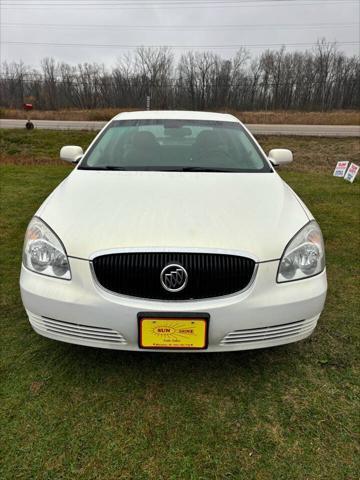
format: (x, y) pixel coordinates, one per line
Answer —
(352, 172)
(340, 169)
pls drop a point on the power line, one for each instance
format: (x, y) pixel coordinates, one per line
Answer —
(155, 2)
(180, 4)
(117, 45)
(294, 26)
(140, 2)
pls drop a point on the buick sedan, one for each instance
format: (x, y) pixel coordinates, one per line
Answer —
(174, 232)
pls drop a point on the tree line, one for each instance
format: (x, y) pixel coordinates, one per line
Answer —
(321, 79)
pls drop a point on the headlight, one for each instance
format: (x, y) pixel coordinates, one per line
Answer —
(304, 256)
(43, 251)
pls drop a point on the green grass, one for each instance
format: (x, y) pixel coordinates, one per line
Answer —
(39, 146)
(70, 412)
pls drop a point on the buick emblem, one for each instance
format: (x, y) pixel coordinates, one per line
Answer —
(173, 277)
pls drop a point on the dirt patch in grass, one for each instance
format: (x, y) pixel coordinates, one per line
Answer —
(23, 160)
(336, 117)
(101, 114)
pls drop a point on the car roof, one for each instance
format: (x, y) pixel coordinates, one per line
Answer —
(175, 115)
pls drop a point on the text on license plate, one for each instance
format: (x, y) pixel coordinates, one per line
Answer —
(182, 333)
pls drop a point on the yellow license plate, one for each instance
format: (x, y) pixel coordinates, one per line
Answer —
(173, 333)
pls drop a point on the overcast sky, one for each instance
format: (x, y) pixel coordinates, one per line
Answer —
(120, 24)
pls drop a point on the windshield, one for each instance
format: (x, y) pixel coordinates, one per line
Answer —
(175, 145)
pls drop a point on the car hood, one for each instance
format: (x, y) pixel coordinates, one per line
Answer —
(250, 213)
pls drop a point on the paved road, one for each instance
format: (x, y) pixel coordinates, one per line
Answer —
(53, 124)
(312, 130)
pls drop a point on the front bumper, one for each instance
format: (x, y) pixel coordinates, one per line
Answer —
(79, 311)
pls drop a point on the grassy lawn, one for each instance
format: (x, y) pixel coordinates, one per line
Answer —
(70, 412)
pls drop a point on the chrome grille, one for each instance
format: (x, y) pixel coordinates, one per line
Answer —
(138, 274)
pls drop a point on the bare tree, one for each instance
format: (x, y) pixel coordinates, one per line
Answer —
(321, 79)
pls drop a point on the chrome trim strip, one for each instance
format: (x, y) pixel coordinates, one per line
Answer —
(238, 253)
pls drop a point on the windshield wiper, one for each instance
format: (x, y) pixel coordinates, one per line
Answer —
(114, 167)
(207, 169)
(107, 167)
(160, 169)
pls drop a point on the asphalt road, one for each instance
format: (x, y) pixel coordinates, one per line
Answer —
(258, 129)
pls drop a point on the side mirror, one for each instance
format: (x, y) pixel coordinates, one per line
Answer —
(71, 153)
(280, 156)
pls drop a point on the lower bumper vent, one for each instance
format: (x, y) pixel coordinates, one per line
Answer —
(73, 330)
(269, 333)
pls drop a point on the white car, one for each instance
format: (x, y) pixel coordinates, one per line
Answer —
(174, 232)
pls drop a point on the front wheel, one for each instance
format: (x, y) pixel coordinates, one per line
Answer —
(29, 125)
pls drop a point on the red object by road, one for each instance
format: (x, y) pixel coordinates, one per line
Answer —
(27, 107)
